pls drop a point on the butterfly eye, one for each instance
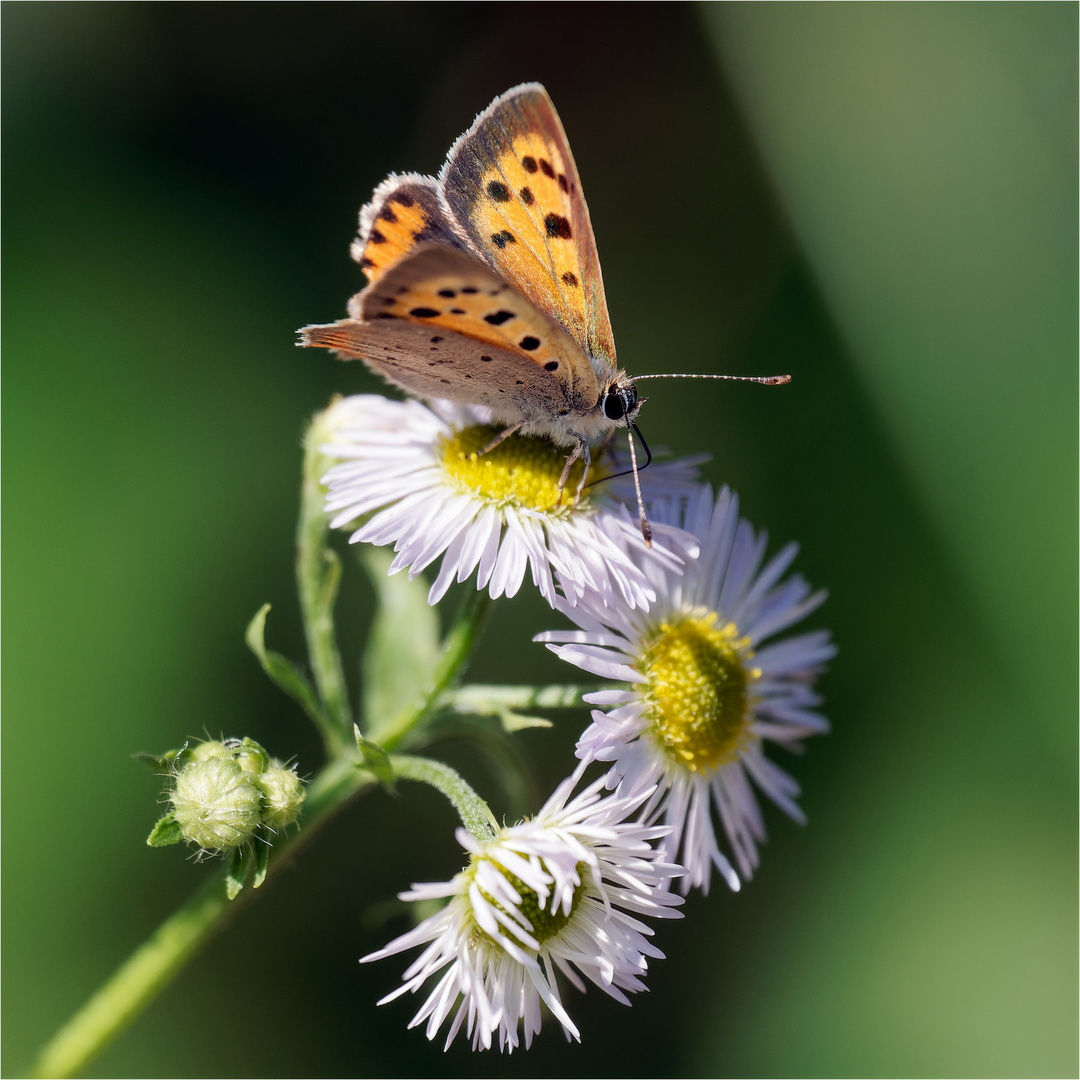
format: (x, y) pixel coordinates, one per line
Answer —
(619, 401)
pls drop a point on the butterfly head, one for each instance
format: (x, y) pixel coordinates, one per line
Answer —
(620, 401)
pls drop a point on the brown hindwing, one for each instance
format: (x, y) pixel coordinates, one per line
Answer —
(439, 323)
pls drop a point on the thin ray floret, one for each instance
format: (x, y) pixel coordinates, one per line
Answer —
(559, 898)
(417, 476)
(708, 687)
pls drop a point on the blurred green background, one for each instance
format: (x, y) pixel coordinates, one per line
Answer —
(878, 198)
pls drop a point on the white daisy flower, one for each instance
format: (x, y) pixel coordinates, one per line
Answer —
(707, 693)
(559, 893)
(414, 468)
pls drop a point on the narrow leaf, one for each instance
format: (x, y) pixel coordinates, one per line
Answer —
(156, 763)
(262, 863)
(234, 880)
(512, 721)
(505, 701)
(167, 831)
(281, 671)
(375, 759)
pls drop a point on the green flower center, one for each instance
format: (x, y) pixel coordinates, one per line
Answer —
(698, 687)
(545, 922)
(523, 469)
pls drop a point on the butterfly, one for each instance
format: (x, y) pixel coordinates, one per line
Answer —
(484, 287)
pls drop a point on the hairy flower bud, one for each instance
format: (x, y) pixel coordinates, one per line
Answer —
(216, 803)
(202, 751)
(282, 793)
(249, 755)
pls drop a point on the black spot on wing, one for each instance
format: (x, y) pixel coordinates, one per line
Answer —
(404, 200)
(457, 311)
(528, 163)
(497, 318)
(428, 232)
(528, 343)
(570, 278)
(388, 215)
(376, 237)
(486, 359)
(527, 196)
(564, 183)
(498, 191)
(436, 339)
(501, 239)
(423, 313)
(557, 226)
(448, 293)
(552, 365)
(546, 169)
(469, 290)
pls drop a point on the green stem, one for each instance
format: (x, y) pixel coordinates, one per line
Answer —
(136, 982)
(457, 646)
(154, 963)
(176, 941)
(318, 570)
(475, 814)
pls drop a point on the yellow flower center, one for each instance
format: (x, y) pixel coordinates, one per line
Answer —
(698, 687)
(523, 469)
(545, 922)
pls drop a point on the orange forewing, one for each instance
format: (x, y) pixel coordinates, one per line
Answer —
(511, 185)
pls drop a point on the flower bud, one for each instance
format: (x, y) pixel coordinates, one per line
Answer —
(201, 751)
(216, 803)
(283, 793)
(249, 755)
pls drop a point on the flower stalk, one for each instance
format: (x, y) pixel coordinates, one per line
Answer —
(163, 955)
(116, 1004)
(318, 572)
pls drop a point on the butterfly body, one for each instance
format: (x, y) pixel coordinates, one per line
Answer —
(485, 286)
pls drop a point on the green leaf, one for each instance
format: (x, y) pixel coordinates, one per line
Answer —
(505, 701)
(262, 862)
(234, 879)
(375, 758)
(156, 763)
(167, 831)
(403, 647)
(281, 671)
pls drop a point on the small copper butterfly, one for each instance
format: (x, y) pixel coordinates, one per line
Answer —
(485, 286)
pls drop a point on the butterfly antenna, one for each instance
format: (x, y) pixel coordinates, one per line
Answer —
(765, 380)
(646, 528)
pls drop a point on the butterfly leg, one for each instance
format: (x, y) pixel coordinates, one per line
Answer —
(504, 434)
(581, 450)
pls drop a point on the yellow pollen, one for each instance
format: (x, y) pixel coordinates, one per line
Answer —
(522, 470)
(545, 923)
(698, 687)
